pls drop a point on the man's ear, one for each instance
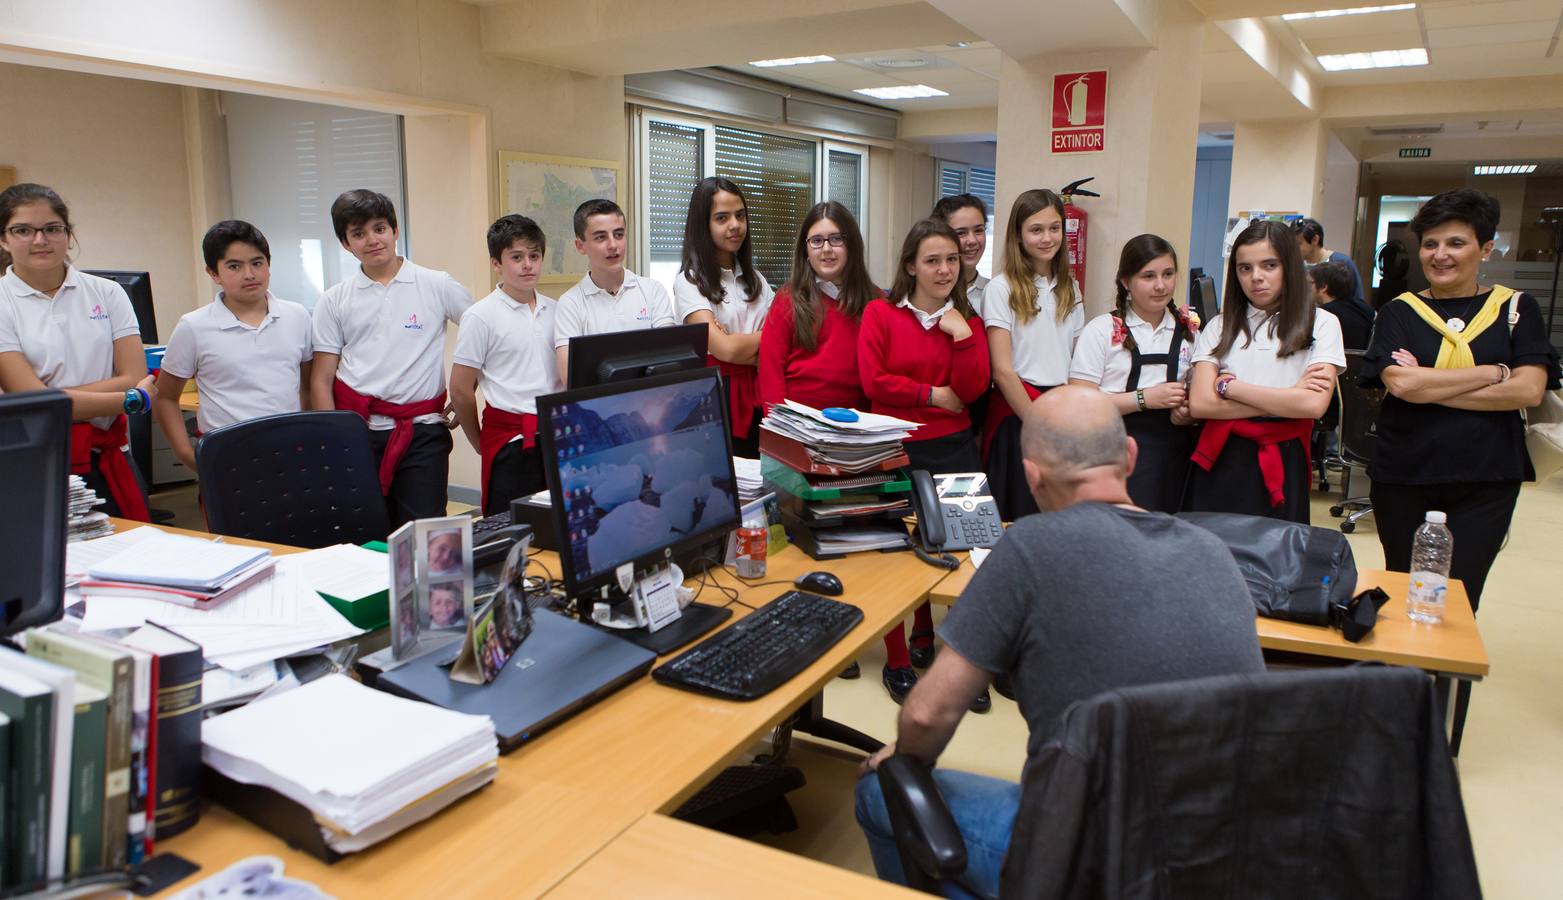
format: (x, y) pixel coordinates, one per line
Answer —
(1132, 454)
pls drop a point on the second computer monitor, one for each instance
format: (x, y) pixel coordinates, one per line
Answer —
(638, 471)
(623, 355)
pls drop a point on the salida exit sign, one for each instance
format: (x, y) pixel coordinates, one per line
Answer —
(1080, 112)
(1415, 152)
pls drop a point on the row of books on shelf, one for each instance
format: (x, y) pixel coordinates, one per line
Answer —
(100, 746)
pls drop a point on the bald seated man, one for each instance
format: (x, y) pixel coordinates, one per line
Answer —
(1092, 595)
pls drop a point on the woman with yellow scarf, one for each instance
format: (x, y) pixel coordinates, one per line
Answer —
(1459, 361)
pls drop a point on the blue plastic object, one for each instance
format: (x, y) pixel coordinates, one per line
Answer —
(839, 414)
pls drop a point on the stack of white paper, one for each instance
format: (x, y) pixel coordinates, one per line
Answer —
(750, 483)
(365, 763)
(810, 426)
(179, 561)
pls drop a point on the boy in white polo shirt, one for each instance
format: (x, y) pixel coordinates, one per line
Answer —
(248, 351)
(610, 297)
(380, 352)
(507, 343)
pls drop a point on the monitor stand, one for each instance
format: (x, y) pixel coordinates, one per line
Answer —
(693, 620)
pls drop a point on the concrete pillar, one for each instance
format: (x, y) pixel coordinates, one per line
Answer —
(1279, 166)
(1145, 171)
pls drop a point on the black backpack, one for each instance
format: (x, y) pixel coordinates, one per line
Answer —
(1295, 572)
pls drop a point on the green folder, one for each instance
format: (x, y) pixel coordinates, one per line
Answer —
(368, 612)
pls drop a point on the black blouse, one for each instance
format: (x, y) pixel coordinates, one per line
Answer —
(1428, 443)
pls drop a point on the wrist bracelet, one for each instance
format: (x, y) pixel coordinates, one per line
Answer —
(929, 401)
(1503, 373)
(1139, 397)
(146, 400)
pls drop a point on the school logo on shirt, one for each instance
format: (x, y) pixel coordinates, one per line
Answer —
(97, 314)
(413, 324)
(643, 315)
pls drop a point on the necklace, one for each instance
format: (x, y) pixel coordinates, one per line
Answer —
(1469, 308)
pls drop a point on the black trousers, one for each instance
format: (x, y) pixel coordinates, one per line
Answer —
(748, 445)
(1236, 485)
(1007, 474)
(1479, 514)
(516, 472)
(419, 487)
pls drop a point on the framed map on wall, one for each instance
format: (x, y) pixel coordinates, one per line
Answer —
(547, 189)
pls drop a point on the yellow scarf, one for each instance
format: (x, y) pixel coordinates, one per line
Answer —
(1455, 352)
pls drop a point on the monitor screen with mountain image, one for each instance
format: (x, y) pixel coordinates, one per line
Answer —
(639, 471)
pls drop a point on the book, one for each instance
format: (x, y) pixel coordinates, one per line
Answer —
(177, 736)
(84, 827)
(109, 668)
(62, 708)
(5, 799)
(28, 703)
(142, 719)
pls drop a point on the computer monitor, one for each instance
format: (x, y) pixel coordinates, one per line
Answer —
(35, 468)
(640, 472)
(622, 355)
(139, 286)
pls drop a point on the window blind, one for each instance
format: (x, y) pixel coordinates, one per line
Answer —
(844, 181)
(674, 154)
(981, 182)
(952, 180)
(776, 174)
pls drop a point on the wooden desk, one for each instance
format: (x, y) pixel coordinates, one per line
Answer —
(558, 800)
(663, 857)
(1452, 648)
(190, 401)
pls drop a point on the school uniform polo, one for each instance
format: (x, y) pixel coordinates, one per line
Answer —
(68, 339)
(588, 309)
(736, 312)
(391, 337)
(512, 343)
(1106, 365)
(1041, 348)
(976, 292)
(1256, 361)
(242, 371)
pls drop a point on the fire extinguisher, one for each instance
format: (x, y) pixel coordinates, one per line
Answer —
(1075, 222)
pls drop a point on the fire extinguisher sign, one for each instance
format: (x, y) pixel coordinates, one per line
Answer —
(1080, 112)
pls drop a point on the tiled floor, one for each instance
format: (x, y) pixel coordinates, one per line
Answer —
(1509, 765)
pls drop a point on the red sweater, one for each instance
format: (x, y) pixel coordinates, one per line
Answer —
(824, 376)
(899, 361)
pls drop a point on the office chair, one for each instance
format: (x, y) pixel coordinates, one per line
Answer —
(1310, 783)
(306, 479)
(1358, 432)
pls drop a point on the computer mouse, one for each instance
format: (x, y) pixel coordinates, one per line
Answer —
(820, 583)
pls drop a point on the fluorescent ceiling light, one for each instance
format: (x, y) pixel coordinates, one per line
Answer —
(1378, 59)
(901, 92)
(1522, 169)
(1355, 11)
(791, 61)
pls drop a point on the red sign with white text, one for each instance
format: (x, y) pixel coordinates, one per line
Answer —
(1079, 112)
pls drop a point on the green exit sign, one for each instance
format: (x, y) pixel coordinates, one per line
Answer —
(1415, 152)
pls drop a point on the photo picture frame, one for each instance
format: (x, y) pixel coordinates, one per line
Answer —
(407, 615)
(444, 565)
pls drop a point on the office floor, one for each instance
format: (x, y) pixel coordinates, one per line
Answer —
(1512, 783)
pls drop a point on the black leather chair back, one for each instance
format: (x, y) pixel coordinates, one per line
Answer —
(305, 479)
(1359, 412)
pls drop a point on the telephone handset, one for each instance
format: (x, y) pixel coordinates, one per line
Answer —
(955, 511)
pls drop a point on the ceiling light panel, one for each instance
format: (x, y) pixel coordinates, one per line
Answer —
(901, 92)
(1355, 11)
(791, 61)
(1519, 169)
(1377, 59)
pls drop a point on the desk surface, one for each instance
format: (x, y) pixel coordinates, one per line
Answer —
(561, 798)
(190, 401)
(1453, 647)
(664, 857)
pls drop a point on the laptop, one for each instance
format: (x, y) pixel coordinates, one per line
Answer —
(560, 669)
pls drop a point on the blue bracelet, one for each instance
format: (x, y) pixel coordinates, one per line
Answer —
(146, 399)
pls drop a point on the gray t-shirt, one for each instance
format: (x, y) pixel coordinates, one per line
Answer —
(1096, 597)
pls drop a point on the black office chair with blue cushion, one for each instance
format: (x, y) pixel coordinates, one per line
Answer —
(1358, 434)
(305, 479)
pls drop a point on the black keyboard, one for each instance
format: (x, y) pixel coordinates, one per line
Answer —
(482, 528)
(764, 649)
(492, 537)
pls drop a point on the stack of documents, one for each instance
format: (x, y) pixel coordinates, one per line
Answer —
(365, 763)
(750, 484)
(185, 570)
(85, 521)
(813, 442)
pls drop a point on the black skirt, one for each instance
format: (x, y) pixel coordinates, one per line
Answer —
(1235, 484)
(1161, 469)
(1006, 475)
(945, 455)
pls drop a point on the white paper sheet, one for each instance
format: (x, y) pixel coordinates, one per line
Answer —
(271, 601)
(344, 571)
(82, 555)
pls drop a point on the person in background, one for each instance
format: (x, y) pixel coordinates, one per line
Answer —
(1264, 370)
(1091, 630)
(1034, 313)
(1139, 355)
(1310, 243)
(968, 216)
(923, 356)
(62, 328)
(506, 343)
(808, 348)
(1332, 287)
(1459, 361)
(608, 297)
(719, 286)
(248, 351)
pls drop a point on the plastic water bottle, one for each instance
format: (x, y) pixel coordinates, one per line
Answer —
(1431, 550)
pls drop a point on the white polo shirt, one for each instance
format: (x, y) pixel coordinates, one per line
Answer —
(1041, 348)
(512, 343)
(391, 337)
(976, 291)
(243, 372)
(67, 339)
(1256, 362)
(1096, 359)
(588, 309)
(736, 312)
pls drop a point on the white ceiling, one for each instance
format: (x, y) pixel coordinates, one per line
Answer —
(970, 74)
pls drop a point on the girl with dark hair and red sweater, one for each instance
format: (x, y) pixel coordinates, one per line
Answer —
(1264, 370)
(923, 355)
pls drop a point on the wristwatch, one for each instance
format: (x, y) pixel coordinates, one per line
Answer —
(1221, 386)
